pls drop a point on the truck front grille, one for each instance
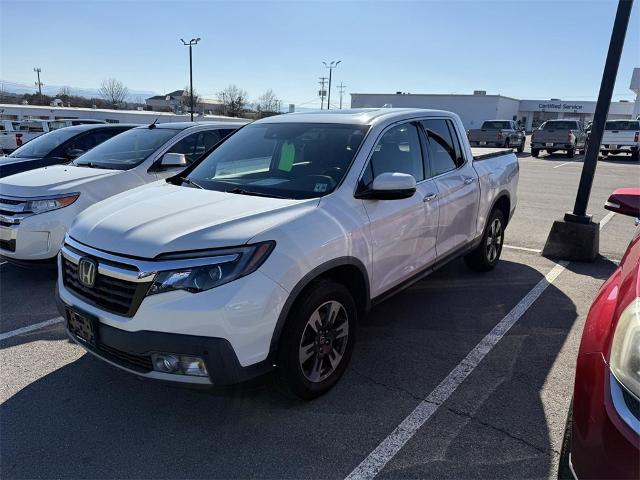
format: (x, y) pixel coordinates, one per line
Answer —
(112, 294)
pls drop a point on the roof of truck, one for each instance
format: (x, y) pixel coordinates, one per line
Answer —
(356, 116)
(185, 125)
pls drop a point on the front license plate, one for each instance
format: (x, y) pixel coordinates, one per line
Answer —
(83, 327)
(5, 233)
(483, 143)
(548, 144)
(611, 147)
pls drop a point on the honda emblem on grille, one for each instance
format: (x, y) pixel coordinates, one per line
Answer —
(87, 269)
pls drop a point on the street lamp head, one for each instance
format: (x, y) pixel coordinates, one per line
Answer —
(338, 62)
(183, 42)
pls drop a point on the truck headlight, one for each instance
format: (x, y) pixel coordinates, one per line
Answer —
(624, 360)
(205, 277)
(46, 204)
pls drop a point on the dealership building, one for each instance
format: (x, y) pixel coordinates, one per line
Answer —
(478, 107)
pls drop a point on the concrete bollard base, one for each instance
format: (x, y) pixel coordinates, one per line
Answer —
(569, 240)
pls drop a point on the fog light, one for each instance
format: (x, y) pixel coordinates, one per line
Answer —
(179, 364)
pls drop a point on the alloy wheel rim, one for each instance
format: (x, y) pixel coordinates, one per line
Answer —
(494, 240)
(324, 341)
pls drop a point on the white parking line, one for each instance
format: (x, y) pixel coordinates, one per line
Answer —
(606, 219)
(513, 247)
(30, 328)
(565, 163)
(390, 446)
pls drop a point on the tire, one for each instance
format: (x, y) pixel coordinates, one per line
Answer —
(521, 146)
(604, 154)
(486, 255)
(571, 153)
(535, 152)
(324, 310)
(635, 155)
(564, 470)
(507, 143)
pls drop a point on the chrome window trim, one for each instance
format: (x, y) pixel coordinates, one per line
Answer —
(145, 270)
(621, 406)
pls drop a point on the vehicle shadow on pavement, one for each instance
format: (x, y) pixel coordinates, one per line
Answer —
(89, 420)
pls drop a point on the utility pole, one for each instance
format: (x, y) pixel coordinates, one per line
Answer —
(322, 91)
(39, 84)
(333, 64)
(576, 236)
(193, 41)
(341, 90)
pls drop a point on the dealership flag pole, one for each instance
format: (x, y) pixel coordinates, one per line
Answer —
(577, 237)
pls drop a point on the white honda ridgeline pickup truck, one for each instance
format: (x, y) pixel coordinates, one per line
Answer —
(268, 251)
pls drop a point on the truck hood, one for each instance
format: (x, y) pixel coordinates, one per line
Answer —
(162, 218)
(54, 180)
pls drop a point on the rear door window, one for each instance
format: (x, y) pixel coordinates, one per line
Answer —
(443, 155)
(195, 145)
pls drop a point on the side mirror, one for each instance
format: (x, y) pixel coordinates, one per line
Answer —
(74, 153)
(625, 201)
(173, 160)
(390, 186)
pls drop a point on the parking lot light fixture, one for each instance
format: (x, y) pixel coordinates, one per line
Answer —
(193, 41)
(331, 65)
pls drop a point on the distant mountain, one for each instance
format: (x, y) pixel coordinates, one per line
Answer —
(52, 90)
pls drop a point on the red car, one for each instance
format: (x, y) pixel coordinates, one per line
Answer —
(602, 437)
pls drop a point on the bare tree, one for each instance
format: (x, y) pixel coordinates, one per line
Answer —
(64, 92)
(113, 91)
(186, 99)
(234, 100)
(268, 103)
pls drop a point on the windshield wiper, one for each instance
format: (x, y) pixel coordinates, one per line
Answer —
(242, 191)
(190, 182)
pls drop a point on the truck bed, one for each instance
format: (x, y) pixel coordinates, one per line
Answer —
(486, 153)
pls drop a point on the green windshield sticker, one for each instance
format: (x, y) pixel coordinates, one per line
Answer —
(287, 155)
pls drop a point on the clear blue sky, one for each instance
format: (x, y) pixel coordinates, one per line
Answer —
(524, 49)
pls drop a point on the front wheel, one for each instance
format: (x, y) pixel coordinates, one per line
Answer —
(521, 146)
(635, 155)
(486, 255)
(571, 153)
(318, 339)
(535, 152)
(507, 143)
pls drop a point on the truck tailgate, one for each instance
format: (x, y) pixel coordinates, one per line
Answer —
(618, 137)
(483, 135)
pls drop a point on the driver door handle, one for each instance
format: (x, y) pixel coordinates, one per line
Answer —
(429, 196)
(468, 180)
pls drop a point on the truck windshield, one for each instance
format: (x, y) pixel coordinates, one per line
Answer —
(495, 125)
(43, 145)
(126, 150)
(285, 160)
(622, 125)
(560, 125)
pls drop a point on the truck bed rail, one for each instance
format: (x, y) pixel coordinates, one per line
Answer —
(486, 153)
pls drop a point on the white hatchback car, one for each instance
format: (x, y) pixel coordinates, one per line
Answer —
(267, 252)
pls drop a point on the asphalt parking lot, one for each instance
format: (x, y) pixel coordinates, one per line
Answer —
(66, 415)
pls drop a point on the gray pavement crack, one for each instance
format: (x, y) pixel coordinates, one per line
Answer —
(389, 387)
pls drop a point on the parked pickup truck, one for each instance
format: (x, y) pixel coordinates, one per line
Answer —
(621, 136)
(554, 135)
(8, 139)
(498, 133)
(267, 251)
(37, 207)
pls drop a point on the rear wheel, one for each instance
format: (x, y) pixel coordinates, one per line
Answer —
(521, 146)
(486, 255)
(571, 153)
(318, 339)
(604, 154)
(635, 155)
(535, 152)
(507, 143)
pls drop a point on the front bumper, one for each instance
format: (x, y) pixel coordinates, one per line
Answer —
(603, 443)
(230, 327)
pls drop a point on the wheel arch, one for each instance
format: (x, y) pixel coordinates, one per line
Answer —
(503, 202)
(350, 271)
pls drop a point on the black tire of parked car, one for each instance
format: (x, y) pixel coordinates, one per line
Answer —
(635, 155)
(571, 152)
(521, 146)
(535, 152)
(604, 154)
(313, 297)
(564, 470)
(507, 143)
(479, 259)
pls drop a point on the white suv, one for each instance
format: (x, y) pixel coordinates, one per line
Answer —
(268, 251)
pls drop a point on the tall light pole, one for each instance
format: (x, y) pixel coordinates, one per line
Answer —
(330, 66)
(38, 83)
(193, 41)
